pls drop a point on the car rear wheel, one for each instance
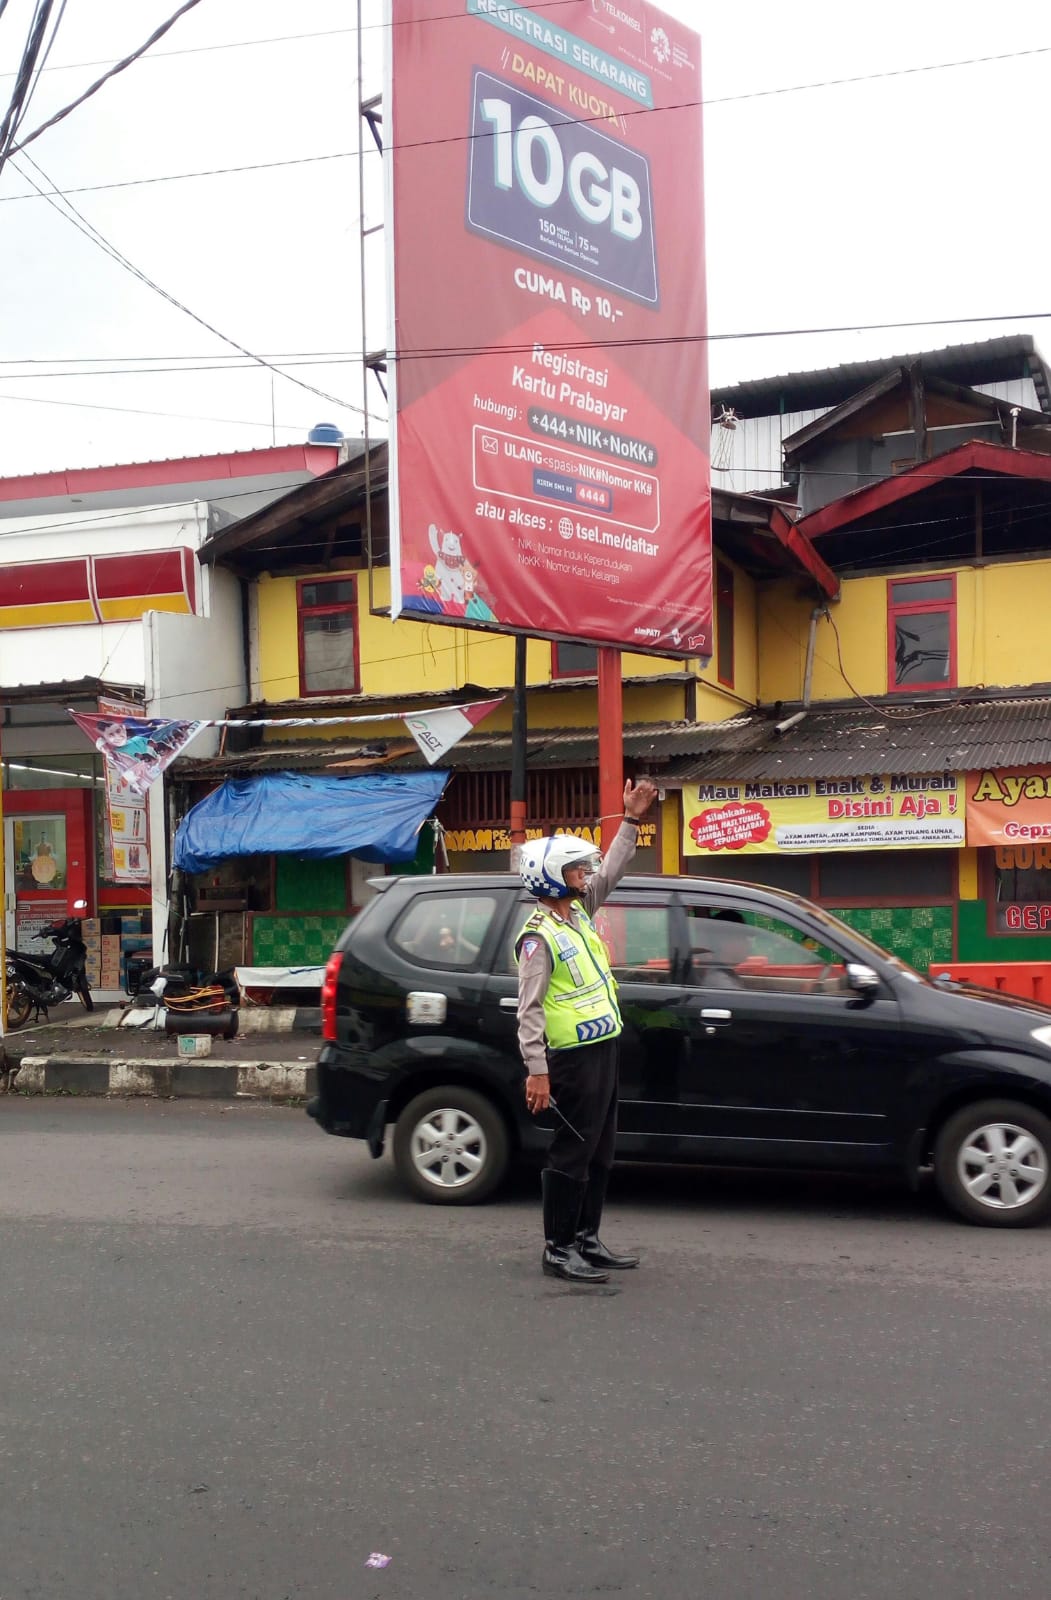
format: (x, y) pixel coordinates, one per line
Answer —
(992, 1164)
(450, 1146)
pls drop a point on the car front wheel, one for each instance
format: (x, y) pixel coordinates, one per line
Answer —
(450, 1146)
(992, 1164)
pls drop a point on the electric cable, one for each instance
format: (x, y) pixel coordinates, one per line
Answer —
(39, 69)
(433, 352)
(119, 66)
(144, 411)
(83, 226)
(20, 93)
(798, 88)
(208, 172)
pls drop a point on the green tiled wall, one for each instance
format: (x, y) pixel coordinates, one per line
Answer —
(918, 934)
(294, 941)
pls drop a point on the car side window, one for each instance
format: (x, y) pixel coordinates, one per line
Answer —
(444, 930)
(732, 949)
(636, 937)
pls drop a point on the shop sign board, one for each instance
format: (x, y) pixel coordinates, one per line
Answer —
(498, 839)
(549, 464)
(896, 811)
(1009, 806)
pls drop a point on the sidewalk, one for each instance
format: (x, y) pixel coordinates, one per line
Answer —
(272, 1058)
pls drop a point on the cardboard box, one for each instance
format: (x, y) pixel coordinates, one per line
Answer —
(131, 925)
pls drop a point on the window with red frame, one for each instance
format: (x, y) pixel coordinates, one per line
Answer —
(921, 628)
(328, 636)
(724, 624)
(570, 660)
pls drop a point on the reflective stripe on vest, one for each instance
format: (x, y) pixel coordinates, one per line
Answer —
(580, 1005)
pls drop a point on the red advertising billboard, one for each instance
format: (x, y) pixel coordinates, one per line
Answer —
(550, 453)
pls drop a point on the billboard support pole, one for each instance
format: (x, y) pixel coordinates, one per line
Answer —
(518, 754)
(610, 743)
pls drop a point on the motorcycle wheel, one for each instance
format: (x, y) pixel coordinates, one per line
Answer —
(19, 1005)
(84, 995)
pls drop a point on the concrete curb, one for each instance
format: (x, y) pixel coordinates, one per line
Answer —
(167, 1080)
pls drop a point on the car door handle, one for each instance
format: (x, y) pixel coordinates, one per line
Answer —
(509, 1002)
(710, 1014)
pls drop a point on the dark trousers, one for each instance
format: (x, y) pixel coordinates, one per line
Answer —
(584, 1083)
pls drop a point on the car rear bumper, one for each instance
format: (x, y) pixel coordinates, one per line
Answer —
(351, 1101)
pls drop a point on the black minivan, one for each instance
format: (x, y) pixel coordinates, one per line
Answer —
(758, 1031)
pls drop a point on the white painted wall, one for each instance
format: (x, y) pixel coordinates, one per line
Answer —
(194, 669)
(195, 665)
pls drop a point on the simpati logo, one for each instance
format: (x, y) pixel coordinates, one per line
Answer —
(676, 636)
(661, 45)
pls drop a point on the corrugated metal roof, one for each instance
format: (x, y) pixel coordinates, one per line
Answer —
(871, 739)
(988, 360)
(491, 752)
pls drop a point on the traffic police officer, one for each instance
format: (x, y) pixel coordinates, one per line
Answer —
(569, 1026)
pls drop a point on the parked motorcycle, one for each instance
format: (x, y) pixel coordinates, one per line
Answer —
(33, 983)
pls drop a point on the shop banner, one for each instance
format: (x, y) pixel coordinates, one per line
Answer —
(1009, 806)
(127, 823)
(896, 812)
(549, 462)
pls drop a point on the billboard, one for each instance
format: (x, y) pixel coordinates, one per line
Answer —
(897, 811)
(551, 417)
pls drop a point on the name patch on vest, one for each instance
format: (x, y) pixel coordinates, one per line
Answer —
(597, 1028)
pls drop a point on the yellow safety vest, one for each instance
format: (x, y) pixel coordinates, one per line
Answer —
(580, 1005)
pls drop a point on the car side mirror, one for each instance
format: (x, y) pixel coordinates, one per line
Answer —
(862, 979)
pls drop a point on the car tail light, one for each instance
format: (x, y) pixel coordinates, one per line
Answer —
(329, 985)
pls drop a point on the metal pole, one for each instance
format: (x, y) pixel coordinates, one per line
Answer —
(519, 731)
(610, 743)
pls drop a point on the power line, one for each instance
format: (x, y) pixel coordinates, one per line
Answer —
(311, 358)
(207, 172)
(342, 155)
(730, 99)
(140, 411)
(21, 93)
(289, 38)
(119, 66)
(80, 222)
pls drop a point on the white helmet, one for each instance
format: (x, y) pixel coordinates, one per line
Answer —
(543, 863)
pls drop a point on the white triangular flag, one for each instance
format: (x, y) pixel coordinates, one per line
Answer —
(437, 731)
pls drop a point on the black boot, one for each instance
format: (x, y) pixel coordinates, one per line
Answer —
(589, 1244)
(561, 1259)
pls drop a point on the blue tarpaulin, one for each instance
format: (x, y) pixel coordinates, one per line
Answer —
(377, 816)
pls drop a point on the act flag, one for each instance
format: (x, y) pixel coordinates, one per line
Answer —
(437, 731)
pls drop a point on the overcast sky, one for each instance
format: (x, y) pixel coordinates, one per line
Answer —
(910, 197)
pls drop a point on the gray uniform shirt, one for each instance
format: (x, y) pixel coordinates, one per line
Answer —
(534, 971)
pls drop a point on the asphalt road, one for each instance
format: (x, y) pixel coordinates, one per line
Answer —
(236, 1361)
